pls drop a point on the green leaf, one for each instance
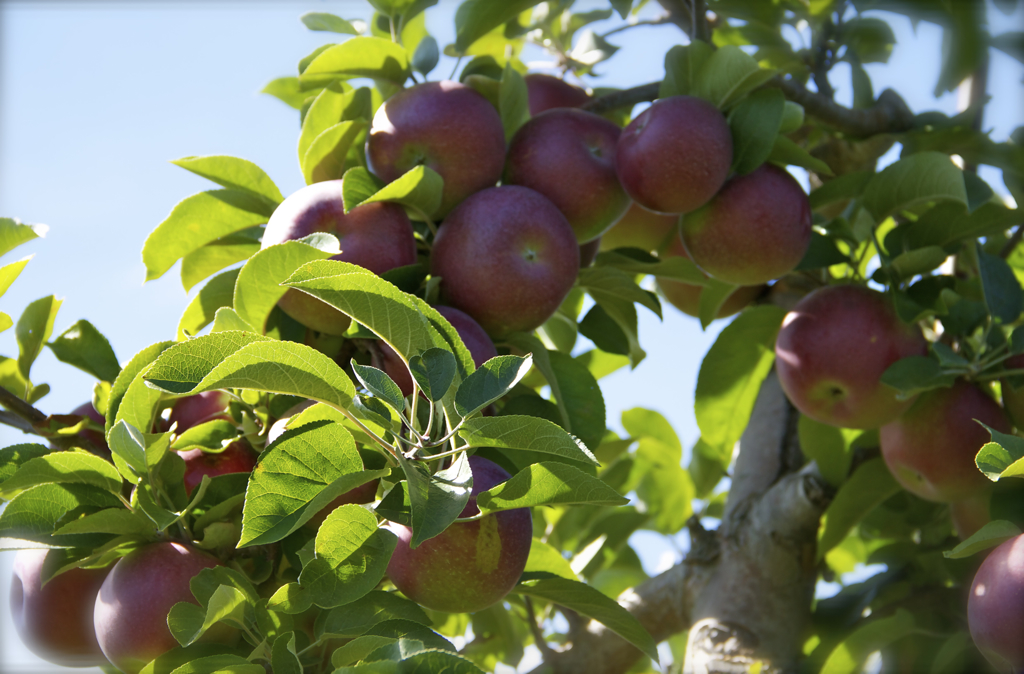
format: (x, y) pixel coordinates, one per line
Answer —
(665, 489)
(297, 477)
(13, 233)
(525, 433)
(372, 57)
(476, 18)
(352, 554)
(322, 21)
(396, 317)
(545, 558)
(218, 292)
(682, 65)
(785, 151)
(436, 500)
(380, 385)
(643, 423)
(10, 272)
(871, 39)
(288, 91)
(119, 521)
(434, 371)
(869, 486)
(34, 329)
(137, 364)
(357, 186)
(918, 261)
(604, 281)
(355, 618)
(989, 536)
(821, 253)
(489, 382)
(712, 298)
(336, 103)
(14, 456)
(1003, 457)
(828, 446)
(728, 75)
(425, 56)
(188, 622)
(129, 444)
(754, 124)
(419, 189)
(915, 374)
(64, 468)
(325, 159)
(202, 263)
(220, 664)
(919, 178)
(199, 220)
(676, 268)
(731, 375)
(259, 283)
(849, 656)
(513, 102)
(34, 513)
(847, 186)
(1003, 295)
(548, 483)
(246, 360)
(284, 658)
(211, 436)
(591, 603)
(581, 395)
(233, 173)
(84, 347)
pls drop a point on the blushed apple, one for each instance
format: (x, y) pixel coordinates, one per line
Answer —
(641, 228)
(238, 457)
(547, 91)
(686, 296)
(995, 607)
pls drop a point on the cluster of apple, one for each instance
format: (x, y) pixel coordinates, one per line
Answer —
(831, 352)
(93, 616)
(508, 255)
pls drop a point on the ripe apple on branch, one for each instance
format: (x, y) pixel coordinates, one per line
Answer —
(380, 429)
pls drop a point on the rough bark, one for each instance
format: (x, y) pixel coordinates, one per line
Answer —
(744, 591)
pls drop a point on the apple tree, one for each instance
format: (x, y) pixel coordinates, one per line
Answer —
(378, 443)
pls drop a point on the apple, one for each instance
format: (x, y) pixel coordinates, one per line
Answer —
(641, 228)
(198, 409)
(238, 457)
(832, 350)
(686, 296)
(507, 257)
(471, 565)
(132, 606)
(376, 236)
(675, 155)
(757, 228)
(995, 607)
(445, 126)
(473, 336)
(569, 156)
(55, 620)
(970, 515)
(1013, 399)
(547, 91)
(930, 449)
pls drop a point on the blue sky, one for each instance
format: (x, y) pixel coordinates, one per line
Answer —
(95, 98)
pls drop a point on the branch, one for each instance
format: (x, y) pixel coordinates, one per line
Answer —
(889, 114)
(20, 407)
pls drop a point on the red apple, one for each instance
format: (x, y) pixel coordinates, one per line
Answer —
(547, 91)
(832, 350)
(995, 607)
(134, 600)
(641, 228)
(970, 515)
(55, 620)
(473, 336)
(675, 155)
(757, 228)
(471, 565)
(376, 236)
(507, 257)
(589, 251)
(686, 297)
(930, 449)
(569, 156)
(238, 457)
(445, 126)
(198, 409)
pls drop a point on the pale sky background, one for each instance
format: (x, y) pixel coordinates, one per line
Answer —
(96, 98)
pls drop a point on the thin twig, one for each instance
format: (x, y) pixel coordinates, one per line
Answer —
(661, 20)
(20, 407)
(546, 653)
(1012, 242)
